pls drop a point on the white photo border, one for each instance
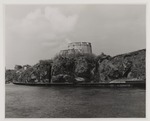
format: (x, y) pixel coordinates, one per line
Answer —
(36, 2)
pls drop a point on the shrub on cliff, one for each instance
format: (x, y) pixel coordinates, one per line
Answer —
(45, 70)
(63, 65)
(38, 73)
(10, 76)
(73, 65)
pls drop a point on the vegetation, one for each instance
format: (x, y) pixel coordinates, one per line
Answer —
(10, 75)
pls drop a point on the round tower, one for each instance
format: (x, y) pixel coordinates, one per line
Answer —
(82, 47)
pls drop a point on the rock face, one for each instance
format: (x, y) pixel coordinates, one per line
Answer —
(62, 78)
(108, 71)
(130, 65)
(82, 68)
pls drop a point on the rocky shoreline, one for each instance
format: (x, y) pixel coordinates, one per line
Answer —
(82, 68)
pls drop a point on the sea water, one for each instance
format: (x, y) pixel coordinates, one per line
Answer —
(73, 102)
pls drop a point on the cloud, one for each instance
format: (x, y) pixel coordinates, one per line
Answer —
(50, 24)
(58, 21)
(39, 34)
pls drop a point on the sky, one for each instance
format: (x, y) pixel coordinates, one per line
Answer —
(38, 32)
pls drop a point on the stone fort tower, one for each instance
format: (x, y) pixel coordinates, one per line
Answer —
(78, 47)
(83, 47)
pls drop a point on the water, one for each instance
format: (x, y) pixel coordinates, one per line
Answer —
(73, 102)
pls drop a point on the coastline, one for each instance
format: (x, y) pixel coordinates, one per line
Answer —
(140, 84)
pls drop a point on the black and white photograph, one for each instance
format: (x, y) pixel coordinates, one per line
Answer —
(75, 60)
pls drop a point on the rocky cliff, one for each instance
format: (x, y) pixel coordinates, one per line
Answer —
(102, 68)
(83, 68)
(129, 65)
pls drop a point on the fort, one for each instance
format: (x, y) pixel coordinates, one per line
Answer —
(77, 47)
